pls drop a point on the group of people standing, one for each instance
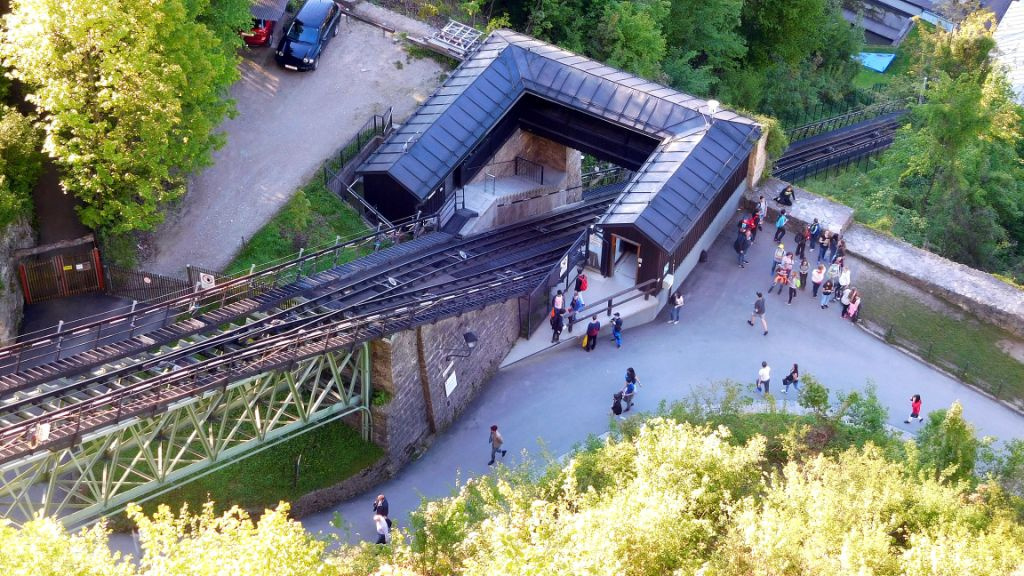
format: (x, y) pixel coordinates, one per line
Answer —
(791, 270)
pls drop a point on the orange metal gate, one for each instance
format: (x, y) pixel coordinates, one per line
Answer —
(61, 275)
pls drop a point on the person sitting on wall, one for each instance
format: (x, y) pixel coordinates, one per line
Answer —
(787, 196)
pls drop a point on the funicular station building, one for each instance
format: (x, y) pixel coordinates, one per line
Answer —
(502, 139)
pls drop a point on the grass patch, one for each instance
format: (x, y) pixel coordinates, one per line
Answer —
(330, 454)
(313, 217)
(866, 79)
(955, 341)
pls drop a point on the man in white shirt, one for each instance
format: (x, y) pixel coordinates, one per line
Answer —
(764, 376)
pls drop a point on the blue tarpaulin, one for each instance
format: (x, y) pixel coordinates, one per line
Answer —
(875, 60)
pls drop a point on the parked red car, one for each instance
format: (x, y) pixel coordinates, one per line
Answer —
(262, 33)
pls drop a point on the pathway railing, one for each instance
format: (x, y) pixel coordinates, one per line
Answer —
(644, 290)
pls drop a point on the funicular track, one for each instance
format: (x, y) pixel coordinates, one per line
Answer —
(423, 286)
(833, 147)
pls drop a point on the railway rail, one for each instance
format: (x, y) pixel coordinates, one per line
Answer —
(420, 287)
(834, 147)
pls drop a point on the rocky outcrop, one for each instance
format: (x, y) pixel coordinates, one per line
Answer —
(15, 237)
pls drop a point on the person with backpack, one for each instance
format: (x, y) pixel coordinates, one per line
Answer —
(575, 305)
(629, 390)
(593, 329)
(617, 331)
(557, 323)
(581, 283)
(780, 226)
(617, 403)
(815, 231)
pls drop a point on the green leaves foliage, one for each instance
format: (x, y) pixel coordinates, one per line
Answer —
(20, 162)
(129, 93)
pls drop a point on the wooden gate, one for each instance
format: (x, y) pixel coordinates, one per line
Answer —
(61, 275)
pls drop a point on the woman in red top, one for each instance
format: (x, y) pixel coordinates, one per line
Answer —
(915, 409)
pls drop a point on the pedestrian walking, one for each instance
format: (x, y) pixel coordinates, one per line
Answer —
(791, 379)
(915, 409)
(759, 312)
(764, 377)
(617, 330)
(780, 226)
(823, 243)
(593, 329)
(742, 245)
(805, 267)
(794, 283)
(675, 304)
(495, 440)
(817, 277)
(826, 293)
(780, 254)
(629, 390)
(557, 323)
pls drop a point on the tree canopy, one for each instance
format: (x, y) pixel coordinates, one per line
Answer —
(129, 95)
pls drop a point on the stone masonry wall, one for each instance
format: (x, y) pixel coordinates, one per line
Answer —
(17, 236)
(413, 367)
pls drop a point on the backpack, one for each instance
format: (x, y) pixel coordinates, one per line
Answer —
(581, 283)
(815, 229)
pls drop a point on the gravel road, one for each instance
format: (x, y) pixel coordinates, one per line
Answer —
(287, 124)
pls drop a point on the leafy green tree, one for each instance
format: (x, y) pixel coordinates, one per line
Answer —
(20, 162)
(629, 36)
(948, 445)
(130, 95)
(704, 43)
(42, 547)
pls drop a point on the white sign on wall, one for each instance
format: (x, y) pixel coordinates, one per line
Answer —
(563, 266)
(451, 382)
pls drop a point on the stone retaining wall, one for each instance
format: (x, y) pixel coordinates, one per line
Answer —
(16, 237)
(974, 291)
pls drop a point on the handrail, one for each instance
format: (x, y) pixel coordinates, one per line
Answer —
(608, 301)
(193, 300)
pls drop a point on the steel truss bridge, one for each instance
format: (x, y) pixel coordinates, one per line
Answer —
(118, 410)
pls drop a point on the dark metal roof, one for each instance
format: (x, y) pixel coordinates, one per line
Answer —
(268, 9)
(679, 181)
(434, 140)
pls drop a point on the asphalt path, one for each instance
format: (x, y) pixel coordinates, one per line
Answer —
(287, 124)
(555, 400)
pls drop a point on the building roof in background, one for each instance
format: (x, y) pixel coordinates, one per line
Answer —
(484, 88)
(268, 9)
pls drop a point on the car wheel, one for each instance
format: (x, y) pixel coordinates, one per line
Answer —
(316, 63)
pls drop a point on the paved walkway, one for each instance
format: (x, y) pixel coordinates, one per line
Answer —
(560, 397)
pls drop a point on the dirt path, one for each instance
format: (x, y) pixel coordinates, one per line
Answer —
(287, 124)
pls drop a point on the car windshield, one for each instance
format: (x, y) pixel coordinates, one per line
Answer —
(299, 32)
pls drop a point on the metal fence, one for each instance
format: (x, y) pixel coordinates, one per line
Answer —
(142, 286)
(339, 172)
(845, 118)
(535, 307)
(858, 159)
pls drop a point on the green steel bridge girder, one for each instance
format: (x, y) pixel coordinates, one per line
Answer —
(141, 458)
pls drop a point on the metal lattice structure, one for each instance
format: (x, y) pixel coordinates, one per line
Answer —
(147, 455)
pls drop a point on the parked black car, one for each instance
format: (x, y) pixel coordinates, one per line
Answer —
(308, 34)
